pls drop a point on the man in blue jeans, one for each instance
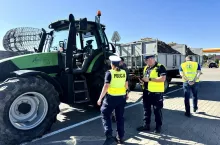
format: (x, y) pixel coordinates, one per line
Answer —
(190, 72)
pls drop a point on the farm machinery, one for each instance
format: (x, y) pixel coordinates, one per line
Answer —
(68, 65)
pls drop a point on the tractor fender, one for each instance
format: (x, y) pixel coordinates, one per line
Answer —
(25, 73)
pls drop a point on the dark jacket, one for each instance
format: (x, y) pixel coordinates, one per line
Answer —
(124, 67)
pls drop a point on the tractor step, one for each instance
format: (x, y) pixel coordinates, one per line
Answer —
(81, 92)
(83, 101)
(78, 81)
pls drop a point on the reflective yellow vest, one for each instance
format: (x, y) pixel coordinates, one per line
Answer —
(117, 84)
(154, 86)
(190, 70)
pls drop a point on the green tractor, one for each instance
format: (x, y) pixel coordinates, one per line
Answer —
(33, 85)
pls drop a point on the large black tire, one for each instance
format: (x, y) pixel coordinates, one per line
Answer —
(132, 85)
(96, 82)
(96, 89)
(9, 91)
(166, 85)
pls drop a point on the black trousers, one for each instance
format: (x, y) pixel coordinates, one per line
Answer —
(109, 104)
(156, 100)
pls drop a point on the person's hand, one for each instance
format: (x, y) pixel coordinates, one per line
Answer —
(141, 82)
(61, 49)
(191, 83)
(145, 79)
(99, 102)
(127, 96)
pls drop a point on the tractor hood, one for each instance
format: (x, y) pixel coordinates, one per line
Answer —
(7, 54)
(44, 62)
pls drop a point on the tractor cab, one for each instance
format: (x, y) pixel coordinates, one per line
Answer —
(86, 45)
(78, 41)
(83, 51)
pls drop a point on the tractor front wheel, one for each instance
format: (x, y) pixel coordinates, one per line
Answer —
(29, 107)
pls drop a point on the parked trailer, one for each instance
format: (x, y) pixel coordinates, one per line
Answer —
(199, 53)
(133, 55)
(196, 53)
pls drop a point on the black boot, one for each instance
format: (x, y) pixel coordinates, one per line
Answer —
(109, 140)
(187, 114)
(144, 128)
(157, 129)
(195, 109)
(119, 140)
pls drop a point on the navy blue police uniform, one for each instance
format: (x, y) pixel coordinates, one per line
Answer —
(110, 103)
(151, 98)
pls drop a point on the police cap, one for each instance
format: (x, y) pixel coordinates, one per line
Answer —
(115, 60)
(149, 56)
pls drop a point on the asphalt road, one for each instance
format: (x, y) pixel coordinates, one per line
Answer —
(81, 124)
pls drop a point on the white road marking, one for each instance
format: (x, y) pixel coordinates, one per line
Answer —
(86, 121)
(173, 91)
(134, 104)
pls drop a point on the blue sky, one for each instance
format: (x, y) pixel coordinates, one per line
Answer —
(192, 22)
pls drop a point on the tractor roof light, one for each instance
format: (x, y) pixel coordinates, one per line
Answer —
(99, 13)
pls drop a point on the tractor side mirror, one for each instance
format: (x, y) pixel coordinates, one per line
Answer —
(65, 43)
(83, 24)
(112, 47)
(61, 44)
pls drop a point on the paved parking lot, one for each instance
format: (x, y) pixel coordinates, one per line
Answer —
(82, 125)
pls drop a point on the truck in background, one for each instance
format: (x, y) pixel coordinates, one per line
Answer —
(170, 55)
(199, 55)
(196, 53)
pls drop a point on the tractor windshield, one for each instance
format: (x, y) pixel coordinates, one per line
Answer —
(57, 38)
(83, 40)
(92, 38)
(87, 39)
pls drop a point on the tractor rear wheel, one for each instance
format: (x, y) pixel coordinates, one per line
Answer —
(132, 85)
(28, 108)
(96, 82)
(96, 89)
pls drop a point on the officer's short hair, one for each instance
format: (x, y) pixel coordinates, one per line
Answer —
(122, 59)
(189, 57)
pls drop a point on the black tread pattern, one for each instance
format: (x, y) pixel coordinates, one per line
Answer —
(132, 85)
(96, 82)
(166, 89)
(9, 91)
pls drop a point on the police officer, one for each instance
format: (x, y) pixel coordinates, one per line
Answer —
(123, 66)
(190, 72)
(115, 92)
(154, 75)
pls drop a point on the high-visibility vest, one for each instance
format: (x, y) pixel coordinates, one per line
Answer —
(190, 70)
(117, 84)
(154, 86)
